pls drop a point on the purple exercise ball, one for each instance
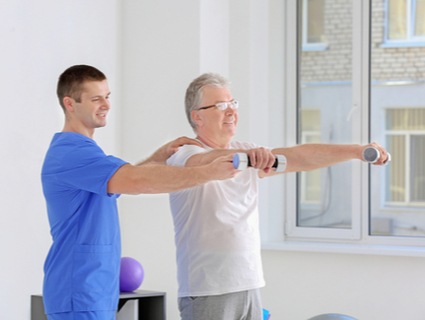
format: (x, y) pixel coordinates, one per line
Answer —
(131, 274)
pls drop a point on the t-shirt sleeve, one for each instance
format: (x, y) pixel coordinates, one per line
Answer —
(246, 145)
(179, 158)
(87, 167)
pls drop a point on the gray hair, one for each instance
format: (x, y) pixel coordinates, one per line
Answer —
(194, 92)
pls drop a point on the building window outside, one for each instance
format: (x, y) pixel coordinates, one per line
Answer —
(405, 23)
(313, 28)
(405, 135)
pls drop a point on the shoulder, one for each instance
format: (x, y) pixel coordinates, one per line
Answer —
(69, 150)
(243, 145)
(185, 152)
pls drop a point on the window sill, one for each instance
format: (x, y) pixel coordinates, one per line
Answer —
(402, 44)
(383, 250)
(315, 47)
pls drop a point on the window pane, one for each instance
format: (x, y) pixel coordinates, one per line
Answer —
(311, 181)
(397, 120)
(396, 174)
(420, 18)
(324, 196)
(417, 174)
(315, 23)
(397, 19)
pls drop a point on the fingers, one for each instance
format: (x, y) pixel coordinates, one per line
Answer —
(224, 167)
(384, 155)
(185, 140)
(173, 146)
(228, 158)
(261, 158)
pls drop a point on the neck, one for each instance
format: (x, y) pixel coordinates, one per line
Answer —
(71, 127)
(212, 143)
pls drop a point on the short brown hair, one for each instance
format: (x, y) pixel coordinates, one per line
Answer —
(71, 81)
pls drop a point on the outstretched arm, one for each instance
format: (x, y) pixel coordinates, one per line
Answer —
(156, 178)
(313, 156)
(305, 157)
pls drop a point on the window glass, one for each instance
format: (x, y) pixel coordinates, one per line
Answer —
(325, 102)
(315, 21)
(397, 19)
(417, 169)
(311, 181)
(420, 18)
(397, 120)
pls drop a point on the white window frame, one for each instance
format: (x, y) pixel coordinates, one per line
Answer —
(356, 240)
(411, 40)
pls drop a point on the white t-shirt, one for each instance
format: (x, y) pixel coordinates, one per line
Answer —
(217, 231)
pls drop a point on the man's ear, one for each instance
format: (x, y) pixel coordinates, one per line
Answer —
(197, 117)
(68, 102)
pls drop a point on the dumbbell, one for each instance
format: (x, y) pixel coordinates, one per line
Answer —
(371, 155)
(241, 161)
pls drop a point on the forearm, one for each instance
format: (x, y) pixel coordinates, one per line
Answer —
(154, 178)
(207, 157)
(309, 157)
(160, 156)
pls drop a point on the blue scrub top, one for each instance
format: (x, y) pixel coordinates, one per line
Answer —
(82, 266)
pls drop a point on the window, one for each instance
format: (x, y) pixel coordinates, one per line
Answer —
(405, 135)
(313, 27)
(405, 22)
(353, 92)
(325, 82)
(397, 120)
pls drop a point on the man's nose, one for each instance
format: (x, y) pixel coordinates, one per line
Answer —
(106, 104)
(230, 110)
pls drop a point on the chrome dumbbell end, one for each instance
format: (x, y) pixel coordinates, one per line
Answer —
(241, 162)
(371, 155)
(281, 163)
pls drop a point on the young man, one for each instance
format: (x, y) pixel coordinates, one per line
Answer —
(217, 233)
(81, 185)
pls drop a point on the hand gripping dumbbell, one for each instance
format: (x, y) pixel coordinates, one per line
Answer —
(371, 155)
(241, 161)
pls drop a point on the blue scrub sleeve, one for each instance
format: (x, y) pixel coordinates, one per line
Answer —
(86, 167)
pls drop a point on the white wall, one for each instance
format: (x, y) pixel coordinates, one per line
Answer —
(160, 57)
(149, 68)
(38, 41)
(367, 287)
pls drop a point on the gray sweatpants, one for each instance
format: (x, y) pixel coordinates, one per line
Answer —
(243, 305)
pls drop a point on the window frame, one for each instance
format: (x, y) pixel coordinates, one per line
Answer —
(358, 239)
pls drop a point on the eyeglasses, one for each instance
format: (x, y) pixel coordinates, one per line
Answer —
(223, 105)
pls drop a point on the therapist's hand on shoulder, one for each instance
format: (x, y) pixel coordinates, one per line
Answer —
(172, 147)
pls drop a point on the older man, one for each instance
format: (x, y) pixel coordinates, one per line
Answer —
(216, 224)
